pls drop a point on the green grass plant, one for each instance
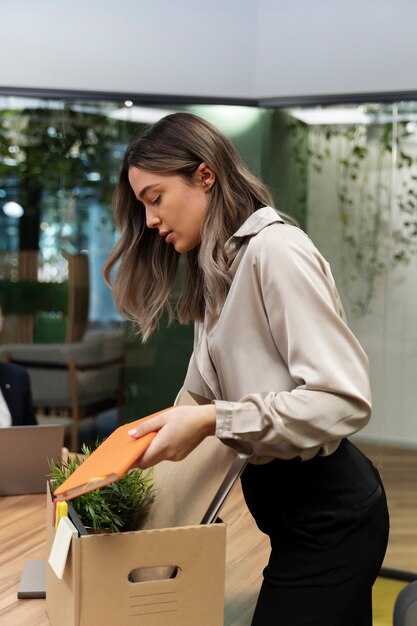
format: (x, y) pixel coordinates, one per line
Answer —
(112, 508)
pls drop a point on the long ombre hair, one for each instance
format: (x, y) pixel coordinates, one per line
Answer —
(147, 267)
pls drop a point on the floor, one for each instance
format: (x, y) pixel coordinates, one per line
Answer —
(398, 469)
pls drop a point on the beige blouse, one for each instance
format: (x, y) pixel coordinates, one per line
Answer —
(288, 377)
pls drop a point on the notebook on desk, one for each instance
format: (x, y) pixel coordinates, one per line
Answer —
(24, 455)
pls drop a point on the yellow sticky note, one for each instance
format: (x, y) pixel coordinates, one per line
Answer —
(61, 511)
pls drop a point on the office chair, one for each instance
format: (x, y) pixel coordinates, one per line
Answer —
(405, 607)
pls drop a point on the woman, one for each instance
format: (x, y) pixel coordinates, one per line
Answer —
(288, 380)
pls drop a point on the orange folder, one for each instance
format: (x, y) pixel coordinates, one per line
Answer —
(108, 462)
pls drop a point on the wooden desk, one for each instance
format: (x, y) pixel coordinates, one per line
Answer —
(23, 537)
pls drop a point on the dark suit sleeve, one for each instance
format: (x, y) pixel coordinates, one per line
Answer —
(28, 408)
(16, 389)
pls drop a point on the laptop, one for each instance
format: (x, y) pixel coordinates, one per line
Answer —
(24, 455)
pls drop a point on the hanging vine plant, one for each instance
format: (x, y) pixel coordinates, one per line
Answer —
(376, 188)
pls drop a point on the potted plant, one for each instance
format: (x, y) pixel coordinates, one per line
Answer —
(113, 508)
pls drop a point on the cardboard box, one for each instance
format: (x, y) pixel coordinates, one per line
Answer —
(96, 587)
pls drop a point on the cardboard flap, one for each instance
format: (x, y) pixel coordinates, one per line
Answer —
(185, 490)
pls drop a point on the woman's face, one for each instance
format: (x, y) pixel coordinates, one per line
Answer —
(174, 205)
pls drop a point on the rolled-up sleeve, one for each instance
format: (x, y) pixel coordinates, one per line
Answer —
(331, 396)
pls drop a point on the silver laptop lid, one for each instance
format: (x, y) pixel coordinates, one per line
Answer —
(24, 455)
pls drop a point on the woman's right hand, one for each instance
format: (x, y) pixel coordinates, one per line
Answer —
(179, 431)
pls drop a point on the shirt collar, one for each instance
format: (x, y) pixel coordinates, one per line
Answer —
(252, 226)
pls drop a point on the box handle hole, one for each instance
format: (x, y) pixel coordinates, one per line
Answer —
(141, 574)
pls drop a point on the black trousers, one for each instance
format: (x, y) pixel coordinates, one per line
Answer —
(328, 524)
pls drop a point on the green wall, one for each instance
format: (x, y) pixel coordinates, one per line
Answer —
(155, 371)
(285, 161)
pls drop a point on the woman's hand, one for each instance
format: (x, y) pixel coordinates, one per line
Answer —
(179, 431)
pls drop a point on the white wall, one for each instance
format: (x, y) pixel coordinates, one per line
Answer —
(336, 46)
(155, 47)
(221, 48)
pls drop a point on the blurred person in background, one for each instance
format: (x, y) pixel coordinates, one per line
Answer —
(16, 407)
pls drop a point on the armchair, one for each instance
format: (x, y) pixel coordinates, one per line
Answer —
(80, 378)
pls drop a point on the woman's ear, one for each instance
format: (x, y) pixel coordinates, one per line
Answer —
(205, 176)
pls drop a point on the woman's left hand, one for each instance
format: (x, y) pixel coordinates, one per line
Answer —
(179, 431)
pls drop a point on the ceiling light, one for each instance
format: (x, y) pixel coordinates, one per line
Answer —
(317, 116)
(144, 115)
(232, 120)
(339, 115)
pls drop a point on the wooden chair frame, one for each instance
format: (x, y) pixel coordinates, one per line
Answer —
(79, 408)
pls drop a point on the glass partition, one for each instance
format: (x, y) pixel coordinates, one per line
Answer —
(361, 211)
(59, 162)
(58, 166)
(347, 173)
